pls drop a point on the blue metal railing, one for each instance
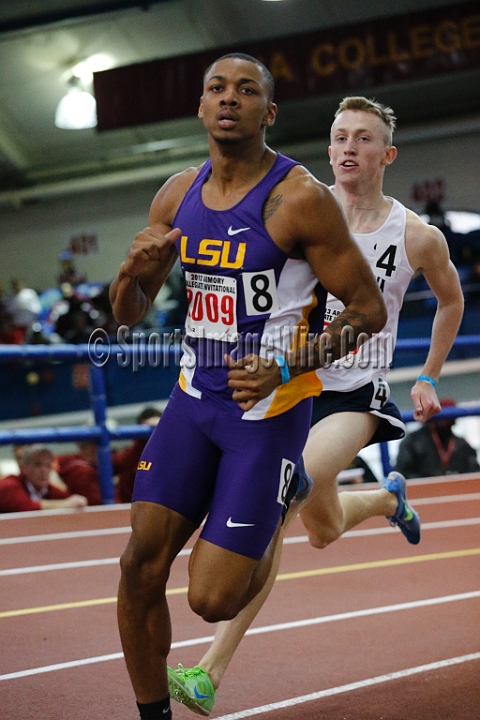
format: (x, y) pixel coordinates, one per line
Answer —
(98, 400)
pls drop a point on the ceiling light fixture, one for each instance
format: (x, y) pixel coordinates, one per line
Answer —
(77, 109)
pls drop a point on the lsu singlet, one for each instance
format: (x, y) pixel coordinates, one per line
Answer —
(244, 294)
(385, 251)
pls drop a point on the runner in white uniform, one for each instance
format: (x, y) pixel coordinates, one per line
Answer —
(353, 409)
(385, 251)
(365, 371)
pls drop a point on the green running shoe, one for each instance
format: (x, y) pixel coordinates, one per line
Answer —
(192, 687)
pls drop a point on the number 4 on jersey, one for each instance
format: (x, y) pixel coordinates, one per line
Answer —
(387, 260)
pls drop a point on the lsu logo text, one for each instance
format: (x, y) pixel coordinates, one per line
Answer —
(214, 253)
(144, 465)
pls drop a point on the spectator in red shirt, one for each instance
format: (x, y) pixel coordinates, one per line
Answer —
(31, 490)
(79, 471)
(10, 335)
(125, 462)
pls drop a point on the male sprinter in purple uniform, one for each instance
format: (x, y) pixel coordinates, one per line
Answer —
(260, 241)
(354, 409)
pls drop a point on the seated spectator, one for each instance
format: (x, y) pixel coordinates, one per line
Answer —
(71, 316)
(125, 462)
(9, 334)
(102, 305)
(31, 489)
(79, 471)
(434, 450)
(23, 306)
(36, 336)
(12, 467)
(80, 328)
(68, 273)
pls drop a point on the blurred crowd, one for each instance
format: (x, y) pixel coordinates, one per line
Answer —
(464, 250)
(37, 479)
(43, 481)
(71, 310)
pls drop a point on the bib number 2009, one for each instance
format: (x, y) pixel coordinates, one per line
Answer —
(211, 306)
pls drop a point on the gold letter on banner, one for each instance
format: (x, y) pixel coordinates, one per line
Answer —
(447, 38)
(471, 31)
(421, 38)
(356, 62)
(320, 68)
(280, 68)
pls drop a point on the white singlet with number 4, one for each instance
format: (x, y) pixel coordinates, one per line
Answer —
(385, 251)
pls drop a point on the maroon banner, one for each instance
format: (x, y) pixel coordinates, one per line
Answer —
(389, 50)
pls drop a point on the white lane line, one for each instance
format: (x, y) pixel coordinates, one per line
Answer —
(466, 477)
(65, 511)
(59, 566)
(441, 524)
(467, 497)
(368, 682)
(258, 631)
(61, 666)
(73, 535)
(71, 565)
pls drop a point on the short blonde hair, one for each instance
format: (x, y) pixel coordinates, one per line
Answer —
(363, 104)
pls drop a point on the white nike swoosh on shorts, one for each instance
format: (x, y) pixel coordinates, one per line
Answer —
(232, 524)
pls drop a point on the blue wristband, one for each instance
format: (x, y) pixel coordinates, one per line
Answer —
(284, 371)
(427, 378)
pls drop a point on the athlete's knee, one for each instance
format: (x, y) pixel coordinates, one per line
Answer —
(142, 573)
(321, 534)
(215, 604)
(321, 538)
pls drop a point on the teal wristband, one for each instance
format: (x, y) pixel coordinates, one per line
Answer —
(427, 378)
(284, 371)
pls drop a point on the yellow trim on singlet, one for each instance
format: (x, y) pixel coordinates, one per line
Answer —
(289, 395)
(302, 386)
(182, 381)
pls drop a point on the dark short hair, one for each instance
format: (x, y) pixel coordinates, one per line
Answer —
(147, 413)
(249, 58)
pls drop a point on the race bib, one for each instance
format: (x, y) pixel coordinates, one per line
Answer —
(286, 474)
(331, 314)
(260, 291)
(212, 307)
(381, 393)
(387, 259)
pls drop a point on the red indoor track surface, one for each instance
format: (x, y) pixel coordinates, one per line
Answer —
(370, 628)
